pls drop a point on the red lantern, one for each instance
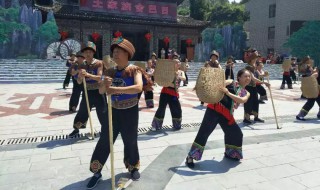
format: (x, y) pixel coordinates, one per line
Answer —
(166, 40)
(147, 36)
(189, 41)
(95, 36)
(117, 34)
(63, 35)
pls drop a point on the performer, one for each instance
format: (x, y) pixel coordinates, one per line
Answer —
(163, 53)
(68, 75)
(260, 74)
(92, 71)
(154, 60)
(124, 82)
(185, 83)
(214, 57)
(222, 113)
(77, 88)
(293, 70)
(306, 70)
(251, 107)
(148, 93)
(286, 77)
(170, 95)
(229, 68)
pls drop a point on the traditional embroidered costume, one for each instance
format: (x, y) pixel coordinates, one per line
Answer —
(95, 99)
(170, 95)
(220, 113)
(307, 71)
(125, 116)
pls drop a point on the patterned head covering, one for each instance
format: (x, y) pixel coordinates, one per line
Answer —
(124, 44)
(214, 52)
(89, 45)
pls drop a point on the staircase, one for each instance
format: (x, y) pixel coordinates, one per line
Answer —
(24, 71)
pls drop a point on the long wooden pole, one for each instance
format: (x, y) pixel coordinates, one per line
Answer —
(274, 109)
(88, 107)
(113, 181)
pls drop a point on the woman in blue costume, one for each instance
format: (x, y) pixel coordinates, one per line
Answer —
(123, 82)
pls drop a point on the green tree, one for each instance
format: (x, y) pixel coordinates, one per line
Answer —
(184, 11)
(306, 41)
(9, 22)
(224, 14)
(48, 32)
(198, 9)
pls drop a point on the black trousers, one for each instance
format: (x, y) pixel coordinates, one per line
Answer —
(148, 95)
(251, 107)
(293, 75)
(174, 105)
(128, 128)
(227, 74)
(233, 136)
(76, 92)
(310, 103)
(286, 78)
(96, 99)
(67, 78)
(187, 79)
(261, 90)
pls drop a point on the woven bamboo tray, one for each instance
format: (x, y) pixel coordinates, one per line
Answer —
(164, 72)
(208, 83)
(309, 87)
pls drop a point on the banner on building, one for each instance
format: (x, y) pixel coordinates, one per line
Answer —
(141, 8)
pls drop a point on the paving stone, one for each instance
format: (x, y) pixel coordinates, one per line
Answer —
(310, 179)
(280, 171)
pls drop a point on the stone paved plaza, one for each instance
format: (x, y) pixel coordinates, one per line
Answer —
(273, 159)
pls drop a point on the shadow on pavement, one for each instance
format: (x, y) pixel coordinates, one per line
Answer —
(59, 143)
(314, 121)
(60, 113)
(206, 167)
(153, 135)
(102, 185)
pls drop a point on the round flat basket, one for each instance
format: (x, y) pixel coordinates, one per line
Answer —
(309, 87)
(164, 72)
(208, 83)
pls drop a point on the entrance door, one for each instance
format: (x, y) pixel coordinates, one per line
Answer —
(98, 44)
(161, 45)
(140, 44)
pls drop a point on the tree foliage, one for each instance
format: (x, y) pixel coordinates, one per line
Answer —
(306, 41)
(198, 9)
(184, 11)
(9, 22)
(48, 32)
(228, 14)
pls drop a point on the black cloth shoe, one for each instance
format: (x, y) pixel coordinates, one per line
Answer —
(74, 133)
(261, 102)
(301, 118)
(94, 181)
(135, 175)
(230, 158)
(247, 121)
(257, 119)
(188, 163)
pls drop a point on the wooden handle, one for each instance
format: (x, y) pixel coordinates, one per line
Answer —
(274, 109)
(113, 182)
(88, 107)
